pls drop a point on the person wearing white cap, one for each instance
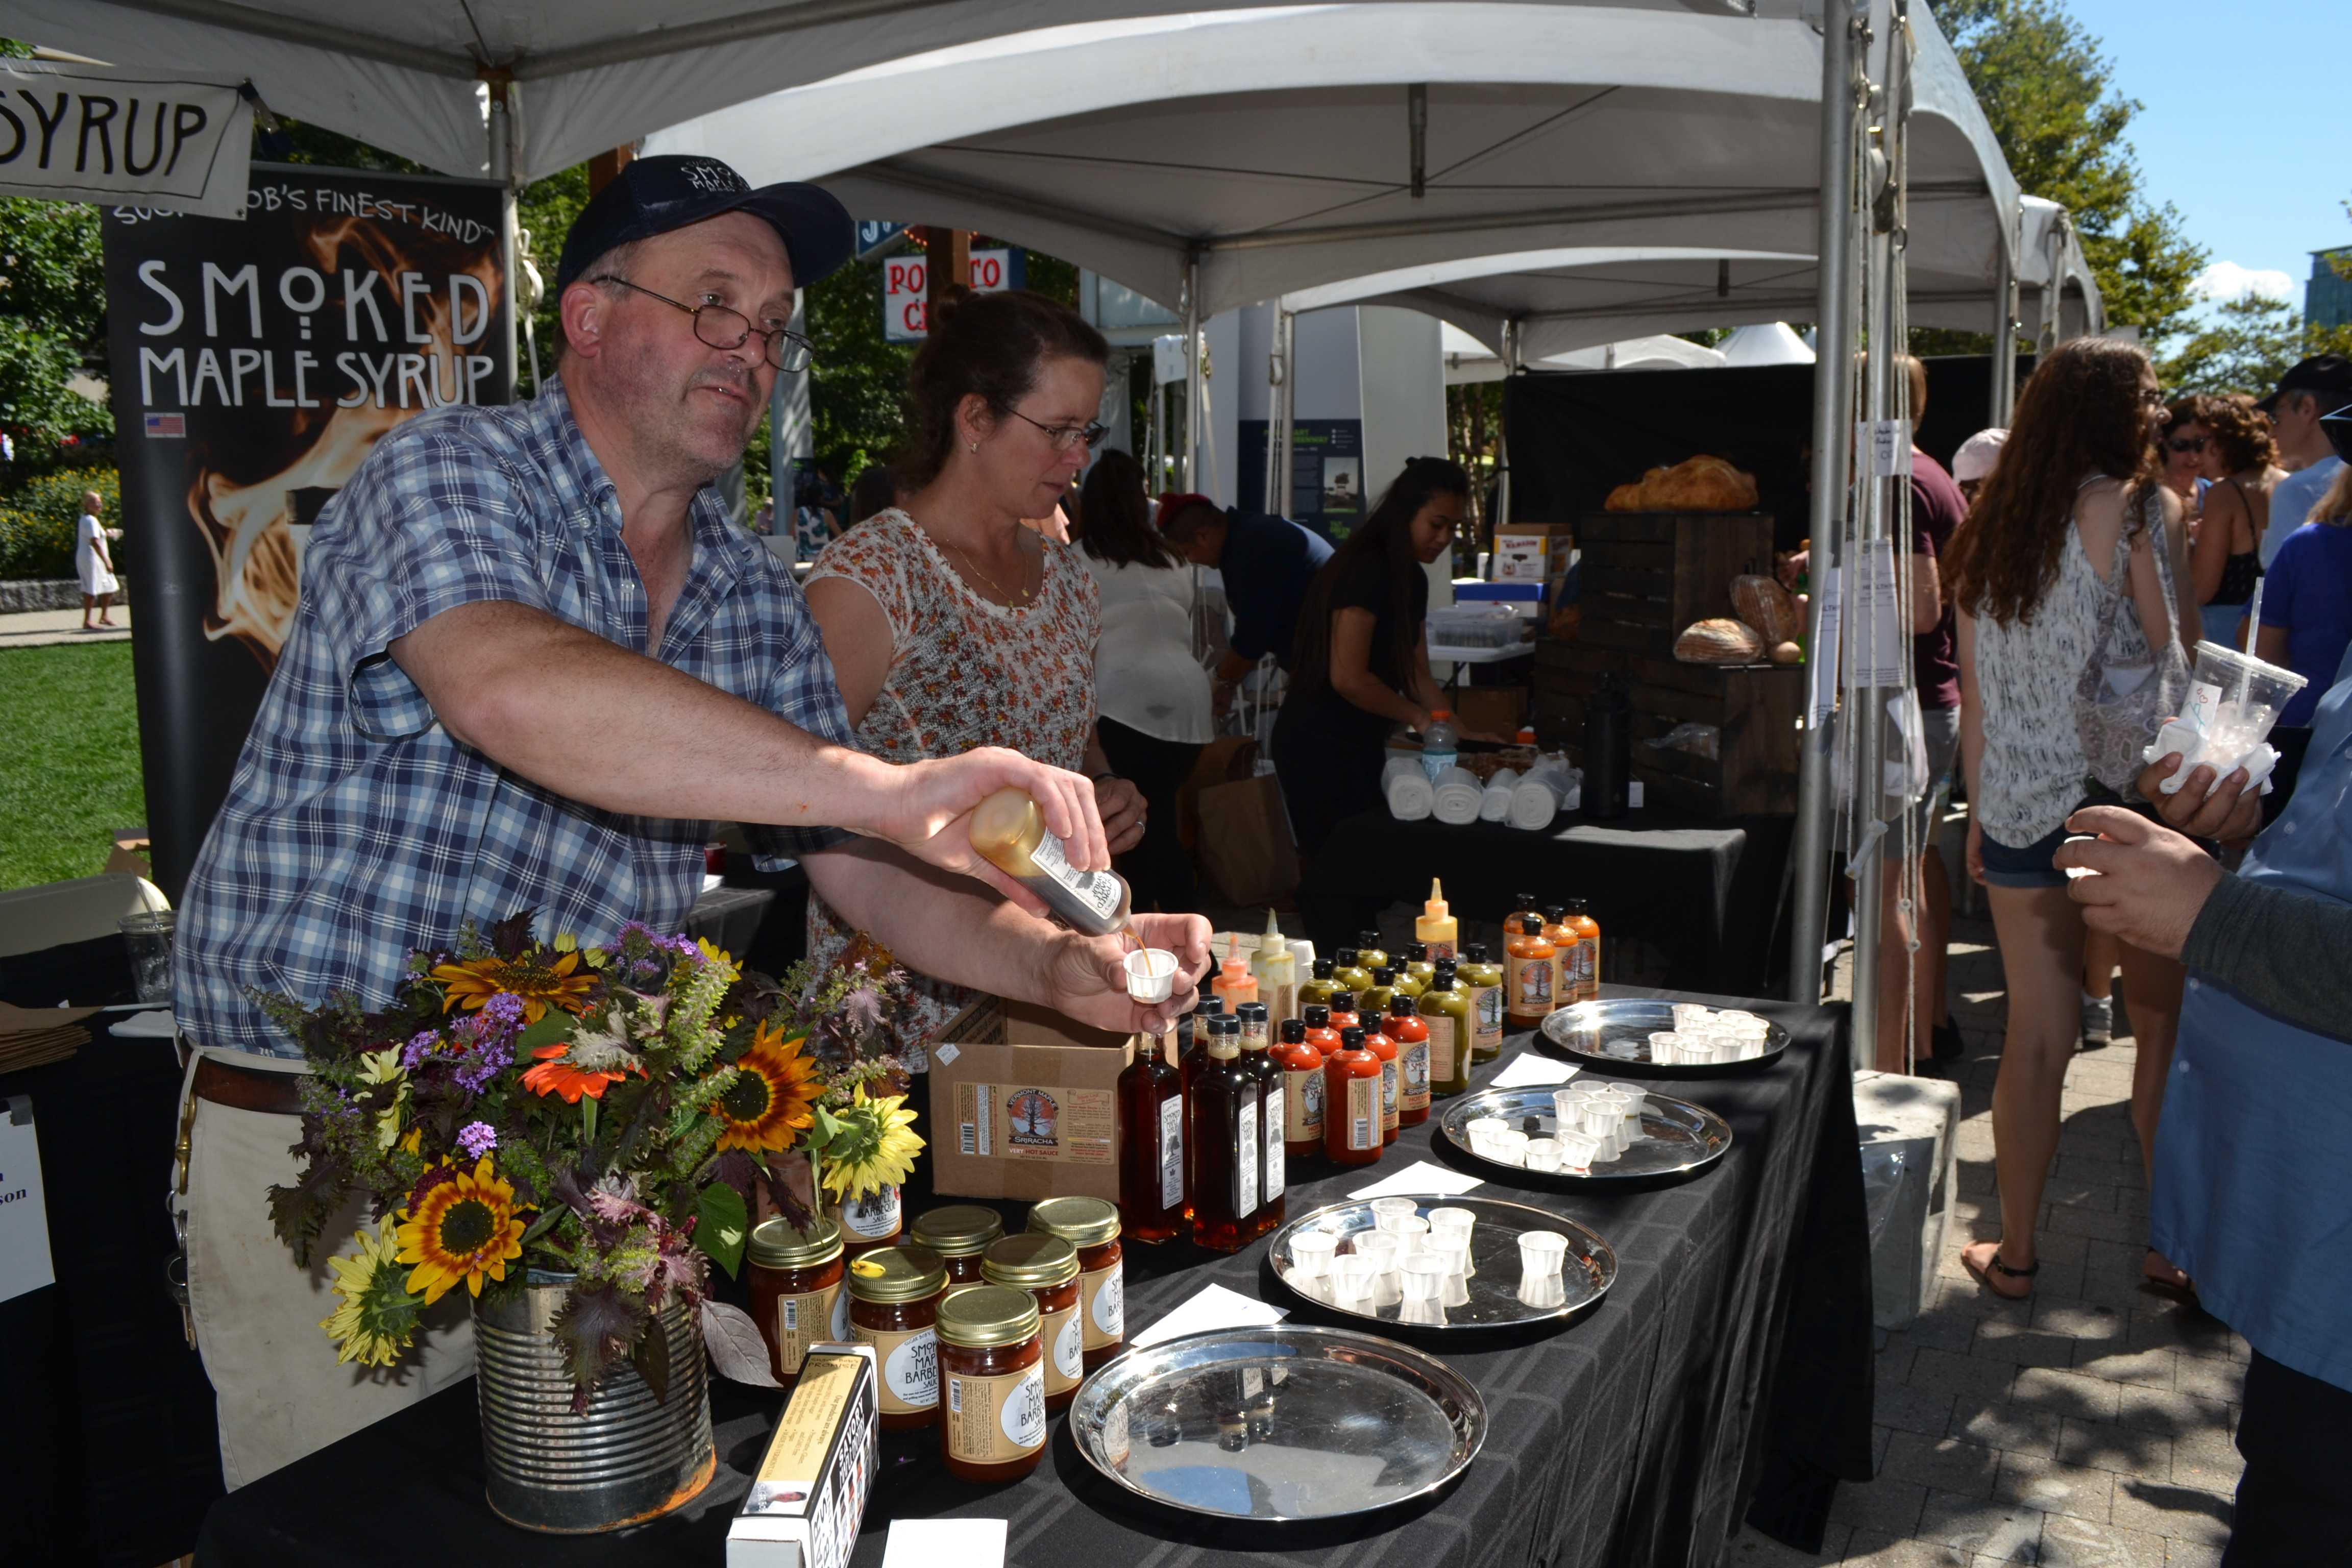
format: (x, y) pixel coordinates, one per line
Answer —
(1972, 464)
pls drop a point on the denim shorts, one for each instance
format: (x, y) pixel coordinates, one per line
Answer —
(2030, 867)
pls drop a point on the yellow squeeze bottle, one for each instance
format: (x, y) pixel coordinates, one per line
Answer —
(1277, 968)
(1435, 927)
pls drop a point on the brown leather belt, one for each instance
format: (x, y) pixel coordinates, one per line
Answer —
(223, 1083)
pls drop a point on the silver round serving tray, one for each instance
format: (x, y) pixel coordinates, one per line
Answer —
(1613, 1035)
(1493, 1285)
(1678, 1138)
(1279, 1423)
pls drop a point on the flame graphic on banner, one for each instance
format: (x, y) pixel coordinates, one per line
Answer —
(246, 527)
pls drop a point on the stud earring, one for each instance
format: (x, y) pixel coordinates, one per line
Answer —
(975, 448)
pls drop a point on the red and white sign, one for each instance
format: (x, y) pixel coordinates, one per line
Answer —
(905, 284)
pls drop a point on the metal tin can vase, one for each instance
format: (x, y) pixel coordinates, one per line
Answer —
(631, 1457)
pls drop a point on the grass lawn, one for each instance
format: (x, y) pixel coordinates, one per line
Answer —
(68, 760)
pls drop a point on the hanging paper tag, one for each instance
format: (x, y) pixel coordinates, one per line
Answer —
(1878, 650)
(1823, 655)
(1888, 444)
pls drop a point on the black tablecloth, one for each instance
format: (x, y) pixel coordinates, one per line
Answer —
(1734, 1352)
(1702, 894)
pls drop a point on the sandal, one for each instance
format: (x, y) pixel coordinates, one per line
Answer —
(1995, 1266)
(2172, 1284)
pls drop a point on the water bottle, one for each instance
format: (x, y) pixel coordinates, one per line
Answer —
(1608, 750)
(1439, 743)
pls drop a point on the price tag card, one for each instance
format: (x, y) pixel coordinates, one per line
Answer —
(1210, 1307)
(1421, 1177)
(929, 1542)
(24, 1265)
(1532, 1067)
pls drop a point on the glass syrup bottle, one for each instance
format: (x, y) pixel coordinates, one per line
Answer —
(1228, 1102)
(1257, 1056)
(1009, 832)
(1419, 968)
(1343, 1010)
(1152, 1147)
(1351, 1102)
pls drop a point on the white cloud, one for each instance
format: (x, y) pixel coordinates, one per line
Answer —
(2228, 280)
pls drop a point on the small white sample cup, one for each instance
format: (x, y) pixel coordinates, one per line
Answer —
(1151, 975)
(1311, 1252)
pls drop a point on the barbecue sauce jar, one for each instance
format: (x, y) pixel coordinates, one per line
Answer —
(1091, 1226)
(992, 1384)
(894, 1306)
(959, 1232)
(797, 1297)
(1048, 1267)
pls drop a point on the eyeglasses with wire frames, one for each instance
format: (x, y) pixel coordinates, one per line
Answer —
(724, 327)
(1065, 436)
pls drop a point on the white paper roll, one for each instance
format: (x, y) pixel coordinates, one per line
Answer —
(1539, 798)
(1409, 794)
(1494, 806)
(1456, 797)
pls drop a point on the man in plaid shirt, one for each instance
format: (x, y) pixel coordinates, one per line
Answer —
(534, 662)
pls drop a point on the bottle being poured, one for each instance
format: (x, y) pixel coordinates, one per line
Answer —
(1010, 833)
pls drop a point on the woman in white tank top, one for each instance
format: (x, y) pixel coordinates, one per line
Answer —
(2055, 535)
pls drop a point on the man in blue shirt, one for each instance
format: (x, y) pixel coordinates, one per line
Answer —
(2253, 1168)
(2306, 393)
(1266, 564)
(533, 664)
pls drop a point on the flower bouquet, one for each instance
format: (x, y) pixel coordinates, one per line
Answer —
(597, 1115)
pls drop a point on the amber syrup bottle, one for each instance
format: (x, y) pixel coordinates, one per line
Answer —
(1385, 1051)
(1412, 1036)
(1151, 1148)
(1351, 1102)
(1209, 1008)
(1302, 1091)
(1228, 1102)
(1257, 1056)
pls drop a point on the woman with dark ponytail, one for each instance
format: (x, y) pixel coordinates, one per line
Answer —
(1360, 666)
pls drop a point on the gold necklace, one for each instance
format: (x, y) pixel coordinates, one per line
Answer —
(1012, 601)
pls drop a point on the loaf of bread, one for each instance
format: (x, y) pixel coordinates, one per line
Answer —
(1695, 484)
(1719, 640)
(1768, 607)
(1788, 653)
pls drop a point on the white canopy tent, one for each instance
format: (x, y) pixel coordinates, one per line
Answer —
(1467, 360)
(1766, 342)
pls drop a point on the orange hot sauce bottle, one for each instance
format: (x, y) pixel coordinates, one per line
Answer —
(1301, 1062)
(1384, 1051)
(1586, 965)
(1412, 1036)
(1343, 1011)
(1529, 972)
(1351, 1102)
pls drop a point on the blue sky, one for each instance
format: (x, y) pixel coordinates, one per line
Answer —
(2241, 121)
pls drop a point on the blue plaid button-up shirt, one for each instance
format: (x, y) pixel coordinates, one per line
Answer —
(357, 828)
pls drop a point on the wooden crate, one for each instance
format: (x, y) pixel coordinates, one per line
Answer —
(1754, 705)
(1648, 574)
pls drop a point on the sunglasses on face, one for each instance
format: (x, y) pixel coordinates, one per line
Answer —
(2186, 444)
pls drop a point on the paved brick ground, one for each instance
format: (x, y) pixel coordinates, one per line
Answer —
(2089, 1426)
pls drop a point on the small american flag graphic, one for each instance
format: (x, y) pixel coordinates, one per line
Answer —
(159, 425)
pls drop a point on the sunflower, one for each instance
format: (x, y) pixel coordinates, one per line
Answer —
(538, 984)
(465, 1227)
(377, 1320)
(773, 1095)
(876, 1147)
(555, 1075)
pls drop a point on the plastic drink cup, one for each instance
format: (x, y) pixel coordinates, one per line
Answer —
(1151, 975)
(1543, 1154)
(2236, 697)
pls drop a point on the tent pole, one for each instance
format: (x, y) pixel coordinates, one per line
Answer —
(1285, 414)
(2004, 334)
(1832, 441)
(1192, 369)
(501, 167)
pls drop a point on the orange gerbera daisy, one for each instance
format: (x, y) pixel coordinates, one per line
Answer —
(462, 1229)
(774, 1093)
(555, 1075)
(539, 983)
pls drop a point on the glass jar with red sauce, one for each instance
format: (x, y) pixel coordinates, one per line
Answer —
(991, 1384)
(797, 1295)
(959, 1232)
(894, 1306)
(1048, 1267)
(1091, 1228)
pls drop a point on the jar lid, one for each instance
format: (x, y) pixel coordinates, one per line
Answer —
(981, 1317)
(958, 1230)
(1081, 1222)
(1029, 1260)
(897, 1274)
(776, 1244)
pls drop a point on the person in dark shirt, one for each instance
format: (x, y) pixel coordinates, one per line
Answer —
(1266, 562)
(1360, 664)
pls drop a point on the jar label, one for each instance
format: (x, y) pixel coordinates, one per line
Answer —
(994, 1420)
(910, 1368)
(1065, 1361)
(1302, 1105)
(1245, 1161)
(1413, 1093)
(1440, 1048)
(874, 1217)
(1363, 1114)
(1276, 1120)
(1099, 891)
(1487, 1019)
(1171, 1152)
(1531, 984)
(802, 1320)
(1102, 1292)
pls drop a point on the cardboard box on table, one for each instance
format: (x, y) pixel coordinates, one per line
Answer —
(1530, 553)
(1024, 1104)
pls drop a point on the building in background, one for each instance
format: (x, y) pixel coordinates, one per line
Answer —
(2327, 296)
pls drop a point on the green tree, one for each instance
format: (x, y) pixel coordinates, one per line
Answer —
(2250, 342)
(2049, 95)
(52, 325)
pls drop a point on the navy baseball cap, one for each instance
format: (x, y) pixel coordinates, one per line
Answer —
(654, 196)
(2327, 377)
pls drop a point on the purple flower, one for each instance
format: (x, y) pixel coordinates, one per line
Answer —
(503, 1011)
(419, 1047)
(484, 1064)
(477, 1139)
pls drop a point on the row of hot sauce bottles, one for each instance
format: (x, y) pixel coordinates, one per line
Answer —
(1268, 1070)
(985, 1333)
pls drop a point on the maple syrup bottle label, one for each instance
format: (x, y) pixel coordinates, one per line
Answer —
(1302, 1105)
(1099, 893)
(1246, 1162)
(1363, 1112)
(1171, 1152)
(1276, 1124)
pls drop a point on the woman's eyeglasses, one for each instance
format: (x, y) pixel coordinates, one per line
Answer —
(2186, 444)
(1065, 436)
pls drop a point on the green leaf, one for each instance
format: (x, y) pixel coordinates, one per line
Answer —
(722, 1225)
(554, 1026)
(594, 1326)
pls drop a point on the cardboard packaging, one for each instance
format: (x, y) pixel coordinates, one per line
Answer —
(1024, 1104)
(1530, 553)
(809, 1495)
